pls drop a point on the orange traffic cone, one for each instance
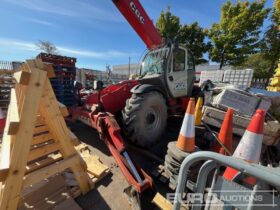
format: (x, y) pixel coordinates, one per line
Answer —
(2, 121)
(186, 140)
(198, 111)
(225, 134)
(250, 145)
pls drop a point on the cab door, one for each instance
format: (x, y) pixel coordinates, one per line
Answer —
(180, 76)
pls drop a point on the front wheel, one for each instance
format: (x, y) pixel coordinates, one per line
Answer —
(145, 117)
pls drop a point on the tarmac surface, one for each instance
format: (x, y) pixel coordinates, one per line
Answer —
(108, 193)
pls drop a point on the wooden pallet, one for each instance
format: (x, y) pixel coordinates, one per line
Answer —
(214, 117)
(36, 141)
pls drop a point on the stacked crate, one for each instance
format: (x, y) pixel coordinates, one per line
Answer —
(240, 78)
(63, 83)
(274, 84)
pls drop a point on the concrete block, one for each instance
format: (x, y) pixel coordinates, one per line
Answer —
(241, 102)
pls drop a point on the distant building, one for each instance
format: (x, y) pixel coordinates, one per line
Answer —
(124, 69)
(85, 76)
(10, 65)
(135, 69)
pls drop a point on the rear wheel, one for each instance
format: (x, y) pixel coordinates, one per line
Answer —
(145, 117)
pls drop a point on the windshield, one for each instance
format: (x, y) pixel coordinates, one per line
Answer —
(152, 62)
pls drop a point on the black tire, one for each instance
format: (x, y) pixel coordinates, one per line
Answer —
(145, 117)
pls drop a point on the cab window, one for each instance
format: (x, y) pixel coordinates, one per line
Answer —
(179, 60)
(191, 64)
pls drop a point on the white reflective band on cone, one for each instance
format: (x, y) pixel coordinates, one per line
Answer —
(249, 147)
(187, 128)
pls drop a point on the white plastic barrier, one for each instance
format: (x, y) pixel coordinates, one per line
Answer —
(240, 78)
(214, 76)
(242, 102)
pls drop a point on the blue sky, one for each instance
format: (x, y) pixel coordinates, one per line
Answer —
(93, 31)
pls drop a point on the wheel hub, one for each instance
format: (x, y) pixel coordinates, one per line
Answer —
(152, 119)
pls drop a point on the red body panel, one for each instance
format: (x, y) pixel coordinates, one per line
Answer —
(113, 97)
(137, 17)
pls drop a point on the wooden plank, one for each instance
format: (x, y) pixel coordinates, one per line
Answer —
(46, 193)
(55, 121)
(3, 174)
(6, 71)
(74, 138)
(41, 129)
(42, 151)
(21, 89)
(5, 152)
(6, 145)
(48, 202)
(42, 163)
(40, 121)
(58, 128)
(14, 120)
(214, 117)
(68, 204)
(94, 165)
(63, 109)
(22, 77)
(50, 170)
(42, 138)
(19, 154)
(54, 199)
(50, 70)
(10, 79)
(162, 202)
(75, 192)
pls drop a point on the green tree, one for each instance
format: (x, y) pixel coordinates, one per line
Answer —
(47, 47)
(259, 64)
(270, 45)
(236, 36)
(168, 25)
(194, 37)
(276, 12)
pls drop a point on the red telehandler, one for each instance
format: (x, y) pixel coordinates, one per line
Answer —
(166, 79)
(165, 82)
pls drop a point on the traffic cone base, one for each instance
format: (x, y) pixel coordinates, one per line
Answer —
(230, 173)
(186, 144)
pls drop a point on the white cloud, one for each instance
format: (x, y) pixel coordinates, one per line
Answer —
(97, 9)
(15, 44)
(41, 22)
(29, 46)
(93, 54)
